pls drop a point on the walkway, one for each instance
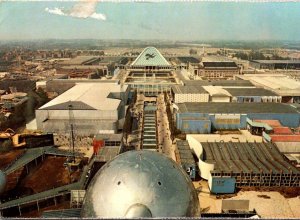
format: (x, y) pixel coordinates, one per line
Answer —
(29, 155)
(163, 129)
(49, 193)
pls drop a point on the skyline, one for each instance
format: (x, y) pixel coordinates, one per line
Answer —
(174, 21)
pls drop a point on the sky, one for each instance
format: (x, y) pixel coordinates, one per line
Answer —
(162, 20)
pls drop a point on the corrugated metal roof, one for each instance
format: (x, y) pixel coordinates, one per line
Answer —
(246, 157)
(250, 92)
(150, 56)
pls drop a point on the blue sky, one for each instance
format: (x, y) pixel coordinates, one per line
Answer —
(163, 20)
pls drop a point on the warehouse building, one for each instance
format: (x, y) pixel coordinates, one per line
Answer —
(275, 64)
(230, 165)
(94, 108)
(206, 117)
(287, 88)
(221, 91)
(253, 95)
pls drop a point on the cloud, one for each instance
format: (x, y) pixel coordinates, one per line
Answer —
(56, 11)
(84, 10)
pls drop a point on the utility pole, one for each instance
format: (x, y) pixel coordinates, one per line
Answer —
(72, 133)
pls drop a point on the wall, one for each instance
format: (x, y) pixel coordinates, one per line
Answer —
(204, 168)
(230, 121)
(221, 185)
(181, 98)
(218, 121)
(86, 122)
(220, 99)
(195, 126)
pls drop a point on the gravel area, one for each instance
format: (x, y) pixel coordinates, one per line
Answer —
(277, 206)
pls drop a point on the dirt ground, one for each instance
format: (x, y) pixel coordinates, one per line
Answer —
(50, 174)
(9, 157)
(287, 192)
(268, 204)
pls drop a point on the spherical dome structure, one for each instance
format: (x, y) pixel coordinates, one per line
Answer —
(141, 184)
(2, 181)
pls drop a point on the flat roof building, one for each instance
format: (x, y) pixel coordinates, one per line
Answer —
(287, 88)
(205, 117)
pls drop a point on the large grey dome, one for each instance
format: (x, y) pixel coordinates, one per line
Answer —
(141, 184)
(2, 181)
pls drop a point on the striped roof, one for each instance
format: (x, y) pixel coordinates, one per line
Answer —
(150, 57)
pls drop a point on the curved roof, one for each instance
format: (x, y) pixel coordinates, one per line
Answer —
(150, 56)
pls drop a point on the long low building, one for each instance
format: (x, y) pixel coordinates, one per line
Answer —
(275, 64)
(205, 117)
(253, 95)
(282, 85)
(93, 108)
(230, 165)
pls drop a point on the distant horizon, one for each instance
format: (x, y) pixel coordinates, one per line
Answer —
(164, 21)
(144, 40)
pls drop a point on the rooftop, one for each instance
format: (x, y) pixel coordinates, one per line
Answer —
(177, 89)
(217, 91)
(281, 84)
(236, 108)
(150, 56)
(250, 92)
(87, 96)
(277, 61)
(246, 157)
(188, 59)
(79, 60)
(223, 83)
(218, 64)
